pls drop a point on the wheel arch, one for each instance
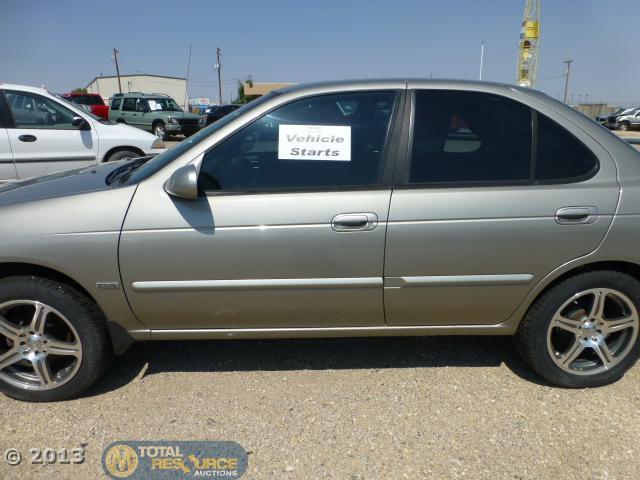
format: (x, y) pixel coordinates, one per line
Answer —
(120, 339)
(120, 149)
(630, 268)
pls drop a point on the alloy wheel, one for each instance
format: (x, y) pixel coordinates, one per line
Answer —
(592, 331)
(39, 348)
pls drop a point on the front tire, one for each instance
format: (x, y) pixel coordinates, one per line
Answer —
(624, 127)
(583, 332)
(54, 341)
(160, 131)
(122, 155)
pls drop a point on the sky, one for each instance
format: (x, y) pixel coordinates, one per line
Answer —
(64, 44)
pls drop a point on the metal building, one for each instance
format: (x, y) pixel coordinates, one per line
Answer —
(175, 87)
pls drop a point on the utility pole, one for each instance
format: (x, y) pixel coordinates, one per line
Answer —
(115, 58)
(566, 80)
(481, 58)
(219, 68)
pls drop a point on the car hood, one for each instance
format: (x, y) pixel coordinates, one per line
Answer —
(60, 184)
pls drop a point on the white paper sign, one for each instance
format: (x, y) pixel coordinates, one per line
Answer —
(314, 142)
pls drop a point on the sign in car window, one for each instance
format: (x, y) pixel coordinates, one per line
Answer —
(153, 105)
(314, 142)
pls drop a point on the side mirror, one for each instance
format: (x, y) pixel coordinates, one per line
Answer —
(80, 123)
(183, 183)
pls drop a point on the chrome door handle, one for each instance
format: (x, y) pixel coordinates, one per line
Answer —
(576, 215)
(349, 222)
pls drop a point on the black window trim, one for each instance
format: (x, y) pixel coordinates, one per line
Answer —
(401, 179)
(385, 170)
(6, 117)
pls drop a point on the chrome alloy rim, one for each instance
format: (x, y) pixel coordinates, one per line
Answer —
(39, 348)
(159, 131)
(593, 331)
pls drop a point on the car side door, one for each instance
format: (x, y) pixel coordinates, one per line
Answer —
(278, 238)
(494, 196)
(128, 112)
(43, 137)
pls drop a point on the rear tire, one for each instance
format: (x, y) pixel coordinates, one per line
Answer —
(55, 338)
(571, 340)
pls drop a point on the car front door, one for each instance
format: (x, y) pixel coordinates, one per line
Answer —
(288, 231)
(475, 223)
(43, 138)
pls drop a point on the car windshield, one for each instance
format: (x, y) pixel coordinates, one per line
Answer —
(163, 105)
(148, 168)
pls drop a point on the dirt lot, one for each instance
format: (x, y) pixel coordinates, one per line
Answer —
(441, 407)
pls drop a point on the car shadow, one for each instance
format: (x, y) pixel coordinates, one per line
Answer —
(312, 354)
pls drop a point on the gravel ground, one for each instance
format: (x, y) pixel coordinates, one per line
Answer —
(438, 407)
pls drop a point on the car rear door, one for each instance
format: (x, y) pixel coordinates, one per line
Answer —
(7, 165)
(474, 223)
(279, 238)
(43, 138)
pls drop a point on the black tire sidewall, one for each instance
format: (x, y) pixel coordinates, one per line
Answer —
(534, 347)
(85, 318)
(160, 124)
(114, 157)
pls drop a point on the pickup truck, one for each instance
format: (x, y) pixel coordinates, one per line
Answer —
(91, 101)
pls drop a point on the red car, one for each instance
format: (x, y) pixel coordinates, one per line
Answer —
(93, 101)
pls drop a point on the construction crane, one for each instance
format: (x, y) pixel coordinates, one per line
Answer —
(528, 45)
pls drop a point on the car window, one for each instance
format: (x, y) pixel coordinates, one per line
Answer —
(141, 105)
(35, 111)
(115, 103)
(309, 143)
(466, 137)
(129, 104)
(561, 157)
(164, 105)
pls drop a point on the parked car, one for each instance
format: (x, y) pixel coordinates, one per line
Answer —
(628, 120)
(92, 101)
(216, 112)
(608, 119)
(156, 113)
(612, 120)
(41, 133)
(369, 208)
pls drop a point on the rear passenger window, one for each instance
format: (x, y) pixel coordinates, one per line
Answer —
(561, 156)
(115, 103)
(466, 137)
(129, 105)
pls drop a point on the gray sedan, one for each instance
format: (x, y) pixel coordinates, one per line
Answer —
(371, 208)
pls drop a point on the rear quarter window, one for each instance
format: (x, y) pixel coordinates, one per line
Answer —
(561, 157)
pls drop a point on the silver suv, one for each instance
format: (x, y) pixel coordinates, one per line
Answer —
(371, 208)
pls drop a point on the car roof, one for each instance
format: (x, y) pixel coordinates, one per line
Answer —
(370, 84)
(24, 88)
